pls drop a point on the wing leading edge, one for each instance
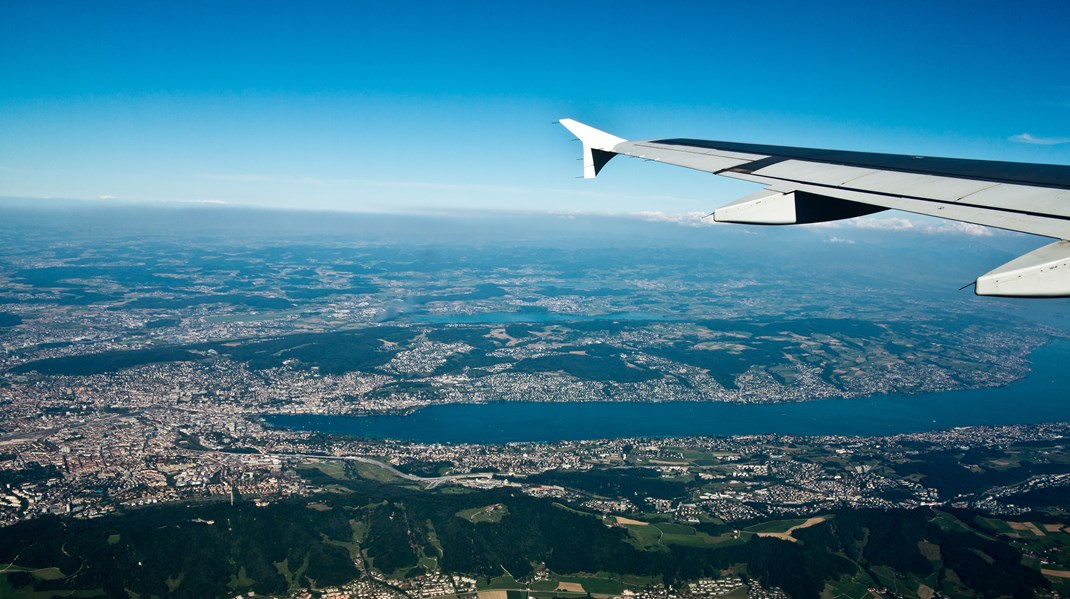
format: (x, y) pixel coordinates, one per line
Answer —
(805, 185)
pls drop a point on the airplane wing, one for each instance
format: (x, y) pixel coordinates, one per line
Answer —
(805, 185)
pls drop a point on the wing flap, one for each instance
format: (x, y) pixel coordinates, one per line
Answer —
(919, 186)
(1044, 272)
(1039, 200)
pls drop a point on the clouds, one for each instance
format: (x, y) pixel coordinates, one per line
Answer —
(1029, 138)
(901, 223)
(961, 228)
(924, 225)
(686, 219)
(937, 228)
(883, 224)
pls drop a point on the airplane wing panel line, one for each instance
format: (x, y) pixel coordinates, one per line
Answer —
(757, 165)
(977, 191)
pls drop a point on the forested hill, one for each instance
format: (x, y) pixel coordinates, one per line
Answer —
(394, 532)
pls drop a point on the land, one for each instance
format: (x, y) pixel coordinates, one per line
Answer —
(95, 322)
(135, 372)
(713, 503)
(348, 532)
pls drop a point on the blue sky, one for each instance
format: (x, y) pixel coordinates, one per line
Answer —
(414, 106)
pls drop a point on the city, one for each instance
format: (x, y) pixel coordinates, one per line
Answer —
(136, 382)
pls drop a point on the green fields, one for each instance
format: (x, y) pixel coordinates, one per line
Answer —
(490, 513)
(659, 536)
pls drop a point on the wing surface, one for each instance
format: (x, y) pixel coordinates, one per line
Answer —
(806, 185)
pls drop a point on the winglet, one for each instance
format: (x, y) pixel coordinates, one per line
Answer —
(597, 146)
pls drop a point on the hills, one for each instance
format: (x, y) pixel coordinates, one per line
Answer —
(390, 533)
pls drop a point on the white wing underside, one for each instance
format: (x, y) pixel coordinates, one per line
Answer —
(806, 185)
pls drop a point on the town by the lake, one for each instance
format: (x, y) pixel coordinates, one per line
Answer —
(150, 373)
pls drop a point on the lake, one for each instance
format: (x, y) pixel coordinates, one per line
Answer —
(1040, 397)
(533, 316)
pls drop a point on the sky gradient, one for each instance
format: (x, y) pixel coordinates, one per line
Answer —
(407, 106)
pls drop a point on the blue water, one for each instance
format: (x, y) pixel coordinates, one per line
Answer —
(1040, 397)
(531, 316)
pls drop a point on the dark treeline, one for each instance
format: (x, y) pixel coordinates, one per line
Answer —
(289, 545)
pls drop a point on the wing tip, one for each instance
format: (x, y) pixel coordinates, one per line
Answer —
(594, 138)
(597, 145)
